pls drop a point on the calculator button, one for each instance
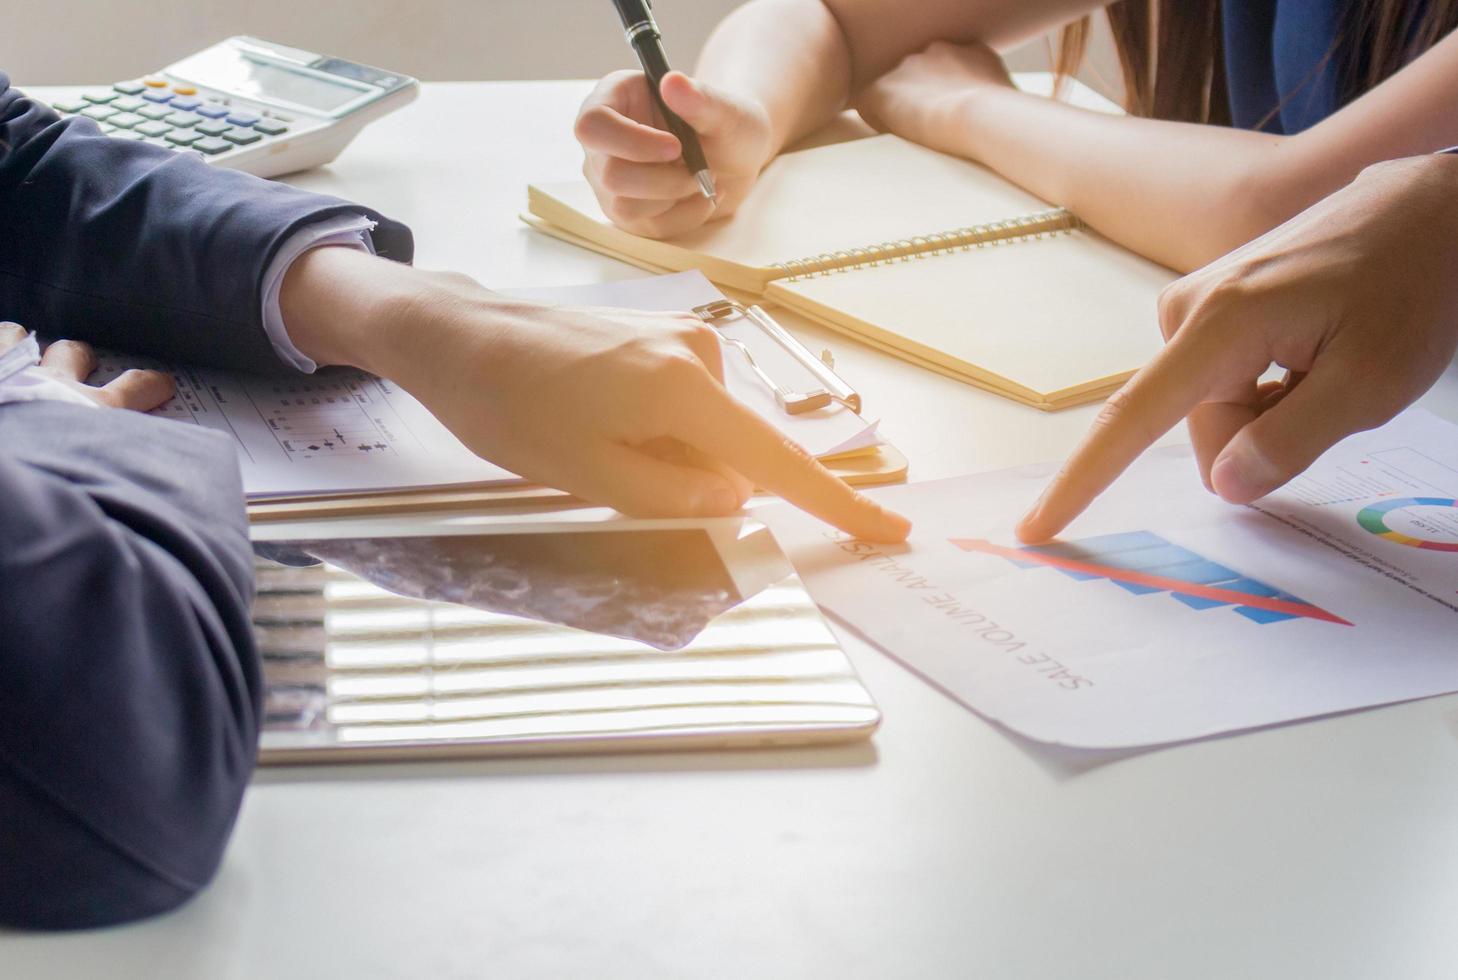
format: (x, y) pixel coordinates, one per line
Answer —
(154, 129)
(98, 98)
(183, 119)
(211, 110)
(99, 112)
(184, 103)
(128, 103)
(183, 137)
(212, 128)
(269, 127)
(155, 82)
(125, 120)
(211, 145)
(184, 89)
(242, 119)
(154, 111)
(241, 136)
(157, 95)
(127, 134)
(107, 128)
(68, 105)
(129, 88)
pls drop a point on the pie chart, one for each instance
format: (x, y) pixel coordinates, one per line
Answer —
(1418, 522)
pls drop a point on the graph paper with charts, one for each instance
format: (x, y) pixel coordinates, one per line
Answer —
(1164, 614)
(340, 431)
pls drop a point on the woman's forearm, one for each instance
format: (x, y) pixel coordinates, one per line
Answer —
(789, 56)
(1178, 193)
(803, 59)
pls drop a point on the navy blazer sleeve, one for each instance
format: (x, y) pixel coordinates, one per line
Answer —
(139, 248)
(129, 678)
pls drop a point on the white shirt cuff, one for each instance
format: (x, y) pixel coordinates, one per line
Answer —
(20, 381)
(351, 230)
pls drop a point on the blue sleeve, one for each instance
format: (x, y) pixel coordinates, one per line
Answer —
(136, 247)
(129, 678)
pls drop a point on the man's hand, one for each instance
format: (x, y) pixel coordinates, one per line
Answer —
(1357, 298)
(920, 98)
(71, 362)
(634, 165)
(619, 407)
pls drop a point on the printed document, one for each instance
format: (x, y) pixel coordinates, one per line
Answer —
(1164, 614)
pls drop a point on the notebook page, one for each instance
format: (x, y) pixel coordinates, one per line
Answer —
(1043, 316)
(827, 199)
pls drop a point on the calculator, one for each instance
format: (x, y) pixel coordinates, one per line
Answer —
(247, 104)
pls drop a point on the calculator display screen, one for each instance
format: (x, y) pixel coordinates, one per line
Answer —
(243, 74)
(269, 82)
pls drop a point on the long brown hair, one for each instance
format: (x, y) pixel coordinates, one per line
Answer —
(1171, 52)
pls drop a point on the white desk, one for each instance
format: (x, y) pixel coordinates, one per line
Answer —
(941, 848)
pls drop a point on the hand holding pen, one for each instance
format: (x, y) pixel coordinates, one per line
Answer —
(640, 170)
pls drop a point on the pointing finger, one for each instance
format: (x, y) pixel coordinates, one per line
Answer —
(1153, 401)
(724, 428)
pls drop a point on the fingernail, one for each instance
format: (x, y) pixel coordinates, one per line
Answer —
(1242, 474)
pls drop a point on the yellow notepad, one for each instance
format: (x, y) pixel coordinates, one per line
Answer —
(925, 255)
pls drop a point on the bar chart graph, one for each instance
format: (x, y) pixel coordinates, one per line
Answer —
(1144, 563)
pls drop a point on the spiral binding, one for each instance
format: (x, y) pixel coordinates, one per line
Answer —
(1024, 228)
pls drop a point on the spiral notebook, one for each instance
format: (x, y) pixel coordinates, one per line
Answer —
(925, 255)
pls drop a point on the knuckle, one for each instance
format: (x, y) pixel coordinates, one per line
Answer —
(1172, 303)
(594, 117)
(1116, 411)
(612, 175)
(678, 370)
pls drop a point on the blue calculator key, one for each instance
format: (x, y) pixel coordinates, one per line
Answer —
(270, 127)
(241, 136)
(128, 103)
(98, 98)
(154, 111)
(157, 95)
(129, 88)
(185, 102)
(211, 145)
(242, 119)
(99, 112)
(183, 119)
(211, 111)
(126, 120)
(68, 105)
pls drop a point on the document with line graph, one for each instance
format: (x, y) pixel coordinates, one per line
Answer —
(1164, 614)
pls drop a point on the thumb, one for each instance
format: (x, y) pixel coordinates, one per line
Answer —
(1277, 446)
(707, 111)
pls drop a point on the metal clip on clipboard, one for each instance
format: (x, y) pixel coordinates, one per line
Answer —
(791, 401)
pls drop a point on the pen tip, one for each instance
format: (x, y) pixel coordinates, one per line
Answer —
(706, 184)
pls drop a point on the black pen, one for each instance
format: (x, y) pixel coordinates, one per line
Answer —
(645, 38)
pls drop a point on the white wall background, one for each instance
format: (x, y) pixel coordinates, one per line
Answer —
(51, 42)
